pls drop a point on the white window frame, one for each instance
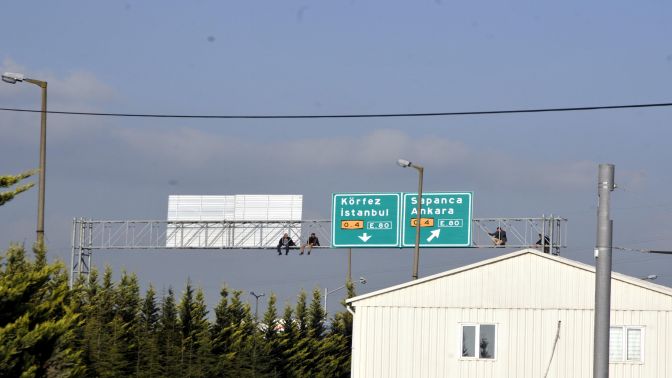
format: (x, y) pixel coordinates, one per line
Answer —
(624, 353)
(477, 336)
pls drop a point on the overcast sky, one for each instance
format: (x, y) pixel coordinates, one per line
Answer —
(339, 57)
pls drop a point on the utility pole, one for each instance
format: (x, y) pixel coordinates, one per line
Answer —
(605, 185)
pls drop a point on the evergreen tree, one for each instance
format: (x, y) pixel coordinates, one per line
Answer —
(148, 364)
(316, 315)
(97, 331)
(37, 319)
(125, 324)
(8, 181)
(169, 339)
(270, 353)
(185, 309)
(287, 340)
(201, 338)
(337, 345)
(306, 354)
(196, 343)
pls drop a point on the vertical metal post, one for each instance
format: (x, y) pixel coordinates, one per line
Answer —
(79, 247)
(90, 252)
(416, 255)
(43, 164)
(349, 264)
(72, 255)
(605, 185)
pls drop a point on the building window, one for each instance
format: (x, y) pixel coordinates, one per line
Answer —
(626, 344)
(478, 341)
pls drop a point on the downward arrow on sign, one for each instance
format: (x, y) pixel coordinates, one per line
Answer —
(435, 234)
(365, 237)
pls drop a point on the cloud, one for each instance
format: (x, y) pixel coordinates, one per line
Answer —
(77, 90)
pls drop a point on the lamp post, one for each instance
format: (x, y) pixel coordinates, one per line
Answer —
(256, 328)
(362, 280)
(416, 256)
(13, 78)
(256, 306)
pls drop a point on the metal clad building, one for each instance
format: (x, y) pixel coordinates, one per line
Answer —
(518, 315)
(266, 218)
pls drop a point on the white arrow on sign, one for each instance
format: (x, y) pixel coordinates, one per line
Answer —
(435, 234)
(364, 237)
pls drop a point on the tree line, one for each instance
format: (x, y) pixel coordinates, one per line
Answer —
(103, 328)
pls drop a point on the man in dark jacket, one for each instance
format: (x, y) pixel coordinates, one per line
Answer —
(499, 237)
(312, 241)
(285, 242)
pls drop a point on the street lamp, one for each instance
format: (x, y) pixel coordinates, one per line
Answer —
(256, 306)
(416, 256)
(13, 78)
(362, 280)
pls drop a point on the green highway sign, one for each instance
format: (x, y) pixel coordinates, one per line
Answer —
(445, 219)
(365, 220)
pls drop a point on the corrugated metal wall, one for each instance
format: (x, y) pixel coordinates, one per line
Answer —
(416, 331)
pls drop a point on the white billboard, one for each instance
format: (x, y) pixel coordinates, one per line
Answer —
(208, 221)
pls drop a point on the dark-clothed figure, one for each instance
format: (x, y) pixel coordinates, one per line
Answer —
(285, 242)
(312, 242)
(499, 237)
(545, 241)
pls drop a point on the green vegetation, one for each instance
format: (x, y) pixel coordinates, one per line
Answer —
(103, 328)
(8, 181)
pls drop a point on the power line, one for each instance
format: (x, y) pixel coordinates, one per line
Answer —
(643, 250)
(378, 115)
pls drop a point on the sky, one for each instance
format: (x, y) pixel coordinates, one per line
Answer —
(345, 57)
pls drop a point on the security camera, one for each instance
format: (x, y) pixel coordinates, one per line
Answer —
(11, 78)
(362, 280)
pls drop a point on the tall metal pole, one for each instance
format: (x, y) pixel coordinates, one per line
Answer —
(416, 255)
(349, 264)
(43, 164)
(605, 185)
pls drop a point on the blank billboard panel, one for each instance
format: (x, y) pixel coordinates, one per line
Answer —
(206, 221)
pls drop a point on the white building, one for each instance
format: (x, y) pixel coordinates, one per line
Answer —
(518, 315)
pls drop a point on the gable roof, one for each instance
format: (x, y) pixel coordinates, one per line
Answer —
(557, 259)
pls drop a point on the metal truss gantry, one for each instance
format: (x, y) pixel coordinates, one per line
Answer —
(89, 235)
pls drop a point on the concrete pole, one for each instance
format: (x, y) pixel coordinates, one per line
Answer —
(605, 185)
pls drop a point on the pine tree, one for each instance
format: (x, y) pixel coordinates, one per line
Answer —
(148, 364)
(201, 338)
(287, 340)
(97, 332)
(196, 343)
(169, 337)
(37, 319)
(185, 309)
(270, 353)
(8, 181)
(125, 323)
(337, 345)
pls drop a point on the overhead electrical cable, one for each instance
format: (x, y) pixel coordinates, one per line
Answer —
(373, 115)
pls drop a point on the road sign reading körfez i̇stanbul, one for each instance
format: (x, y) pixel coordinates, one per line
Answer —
(445, 219)
(365, 219)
